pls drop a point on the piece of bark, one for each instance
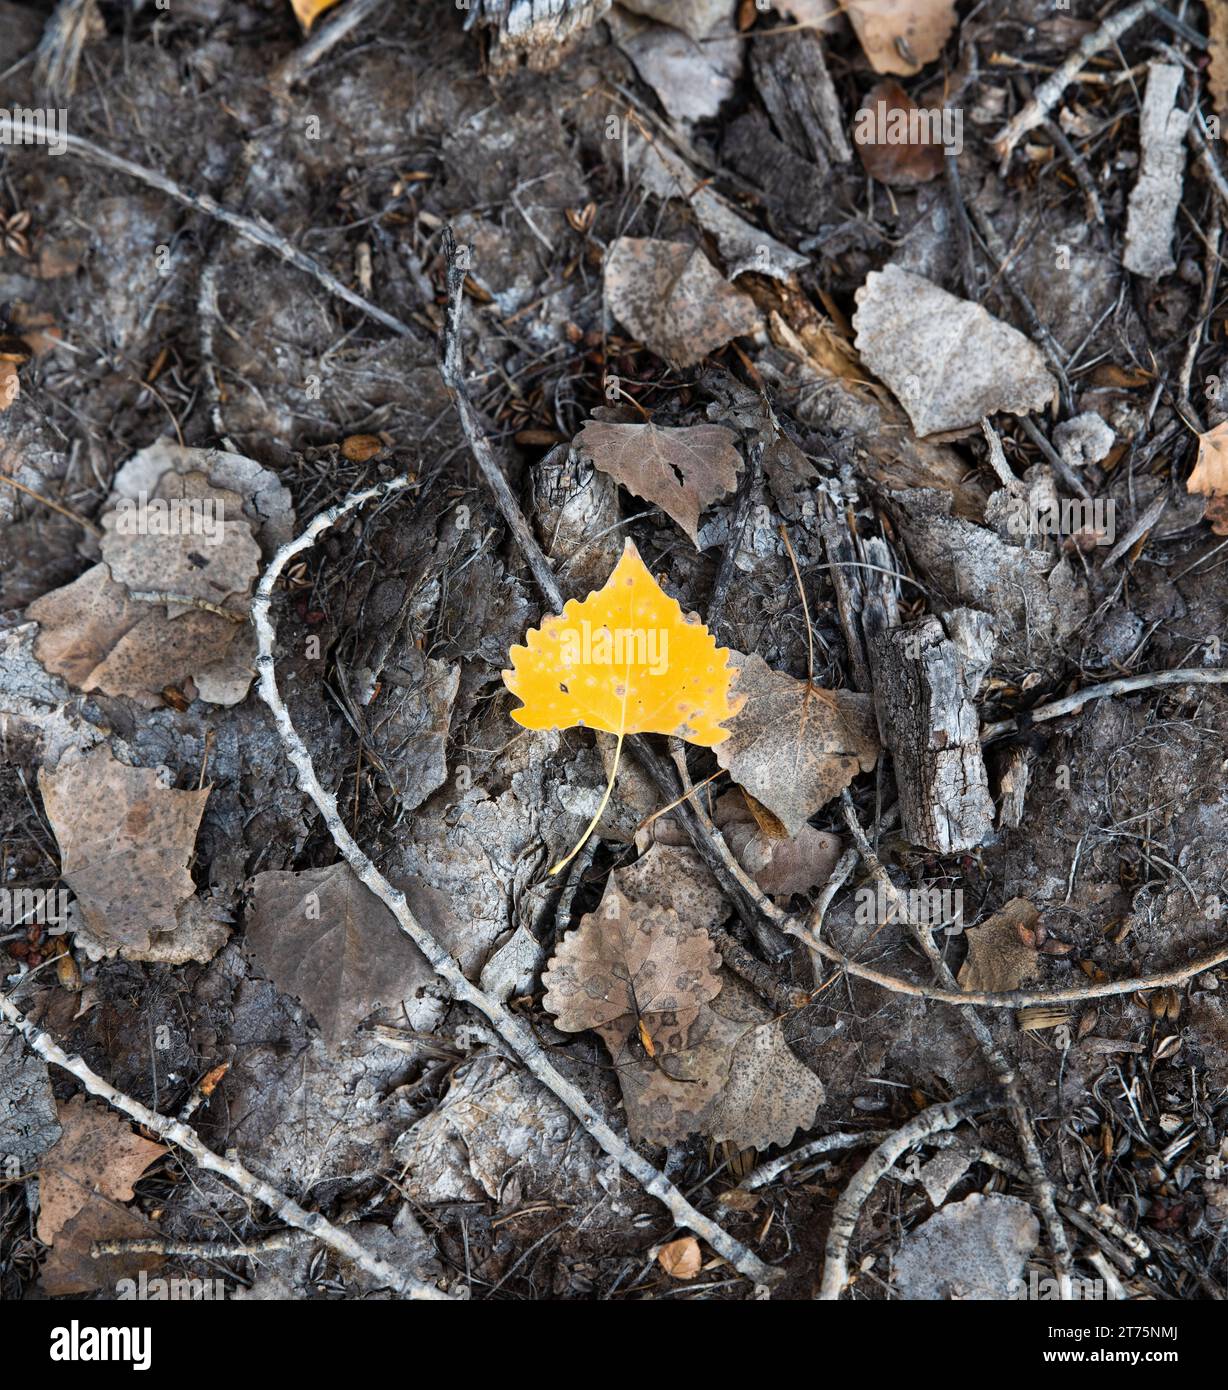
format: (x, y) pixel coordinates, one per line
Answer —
(925, 685)
(538, 32)
(792, 79)
(792, 188)
(1152, 214)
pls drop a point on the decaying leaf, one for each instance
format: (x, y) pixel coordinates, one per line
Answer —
(324, 937)
(96, 1156)
(999, 957)
(624, 661)
(901, 36)
(900, 155)
(669, 295)
(632, 971)
(186, 538)
(125, 842)
(681, 1258)
(1210, 475)
(948, 360)
(794, 746)
(970, 1250)
(734, 1078)
(681, 470)
(308, 11)
(692, 80)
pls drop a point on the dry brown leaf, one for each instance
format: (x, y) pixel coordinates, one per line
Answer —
(125, 842)
(1217, 514)
(671, 297)
(735, 1078)
(632, 972)
(308, 11)
(998, 956)
(899, 163)
(681, 1258)
(901, 36)
(96, 1156)
(70, 1266)
(1217, 73)
(324, 937)
(197, 566)
(10, 384)
(681, 470)
(1210, 475)
(793, 746)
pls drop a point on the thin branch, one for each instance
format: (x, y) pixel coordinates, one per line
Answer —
(253, 229)
(934, 1120)
(1035, 111)
(231, 1169)
(1004, 1072)
(1072, 704)
(515, 1033)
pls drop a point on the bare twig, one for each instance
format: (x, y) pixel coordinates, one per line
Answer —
(253, 229)
(1003, 1071)
(1046, 96)
(286, 1208)
(1072, 704)
(934, 1120)
(515, 1033)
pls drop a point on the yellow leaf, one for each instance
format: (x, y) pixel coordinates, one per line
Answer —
(625, 661)
(308, 11)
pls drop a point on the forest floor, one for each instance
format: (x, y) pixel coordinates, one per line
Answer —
(910, 429)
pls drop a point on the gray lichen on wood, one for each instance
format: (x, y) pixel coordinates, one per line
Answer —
(1154, 199)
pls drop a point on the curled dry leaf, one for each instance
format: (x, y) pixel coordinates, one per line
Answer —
(669, 295)
(1210, 475)
(681, 1258)
(999, 956)
(632, 972)
(948, 361)
(681, 470)
(625, 660)
(794, 746)
(899, 154)
(901, 36)
(324, 937)
(125, 842)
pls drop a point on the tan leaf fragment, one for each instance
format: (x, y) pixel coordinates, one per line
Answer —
(793, 746)
(683, 470)
(324, 937)
(670, 296)
(630, 970)
(901, 36)
(948, 361)
(999, 958)
(681, 1258)
(96, 1156)
(125, 843)
(1210, 475)
(1217, 73)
